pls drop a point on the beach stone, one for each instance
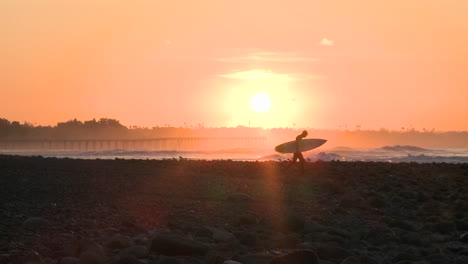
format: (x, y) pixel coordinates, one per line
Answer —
(76, 247)
(172, 244)
(312, 226)
(295, 222)
(239, 197)
(464, 237)
(300, 256)
(289, 240)
(461, 260)
(247, 238)
(92, 257)
(462, 224)
(69, 260)
(35, 223)
(126, 259)
(170, 260)
(118, 242)
(456, 246)
(405, 225)
(351, 200)
(247, 219)
(329, 252)
(412, 238)
(31, 257)
(438, 259)
(138, 251)
(379, 237)
(258, 258)
(377, 202)
(443, 227)
(359, 260)
(141, 239)
(220, 235)
(404, 256)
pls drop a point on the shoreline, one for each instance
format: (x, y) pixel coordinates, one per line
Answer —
(249, 211)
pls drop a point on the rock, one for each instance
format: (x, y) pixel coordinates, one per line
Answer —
(295, 222)
(35, 224)
(289, 240)
(69, 260)
(377, 202)
(118, 242)
(359, 260)
(220, 235)
(75, 248)
(138, 251)
(127, 259)
(92, 257)
(404, 256)
(462, 224)
(259, 258)
(380, 237)
(300, 256)
(438, 238)
(456, 246)
(329, 252)
(312, 226)
(239, 197)
(31, 257)
(351, 200)
(172, 245)
(405, 225)
(438, 258)
(170, 260)
(140, 239)
(464, 237)
(443, 227)
(231, 262)
(461, 260)
(247, 238)
(247, 219)
(412, 238)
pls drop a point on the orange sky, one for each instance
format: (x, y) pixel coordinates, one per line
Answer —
(325, 64)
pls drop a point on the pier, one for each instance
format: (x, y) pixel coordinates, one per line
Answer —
(169, 143)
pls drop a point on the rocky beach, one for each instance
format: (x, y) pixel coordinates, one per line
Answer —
(181, 211)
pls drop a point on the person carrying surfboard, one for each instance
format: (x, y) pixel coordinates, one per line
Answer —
(298, 155)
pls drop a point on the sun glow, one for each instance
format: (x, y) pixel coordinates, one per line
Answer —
(260, 102)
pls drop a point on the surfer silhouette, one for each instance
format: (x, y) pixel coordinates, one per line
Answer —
(298, 154)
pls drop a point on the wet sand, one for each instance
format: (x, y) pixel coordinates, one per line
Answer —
(183, 211)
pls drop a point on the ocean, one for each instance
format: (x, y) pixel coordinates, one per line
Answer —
(385, 154)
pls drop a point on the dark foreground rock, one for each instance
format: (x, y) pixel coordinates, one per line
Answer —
(183, 211)
(175, 245)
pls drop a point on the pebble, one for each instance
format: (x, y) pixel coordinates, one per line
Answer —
(330, 252)
(35, 224)
(173, 244)
(464, 237)
(239, 197)
(300, 256)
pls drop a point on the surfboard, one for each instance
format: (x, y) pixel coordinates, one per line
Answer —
(305, 145)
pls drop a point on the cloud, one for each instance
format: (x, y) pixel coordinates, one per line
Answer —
(268, 57)
(258, 74)
(327, 42)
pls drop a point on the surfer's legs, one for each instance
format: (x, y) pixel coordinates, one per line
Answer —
(302, 161)
(296, 156)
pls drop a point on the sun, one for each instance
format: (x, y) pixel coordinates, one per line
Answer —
(260, 102)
